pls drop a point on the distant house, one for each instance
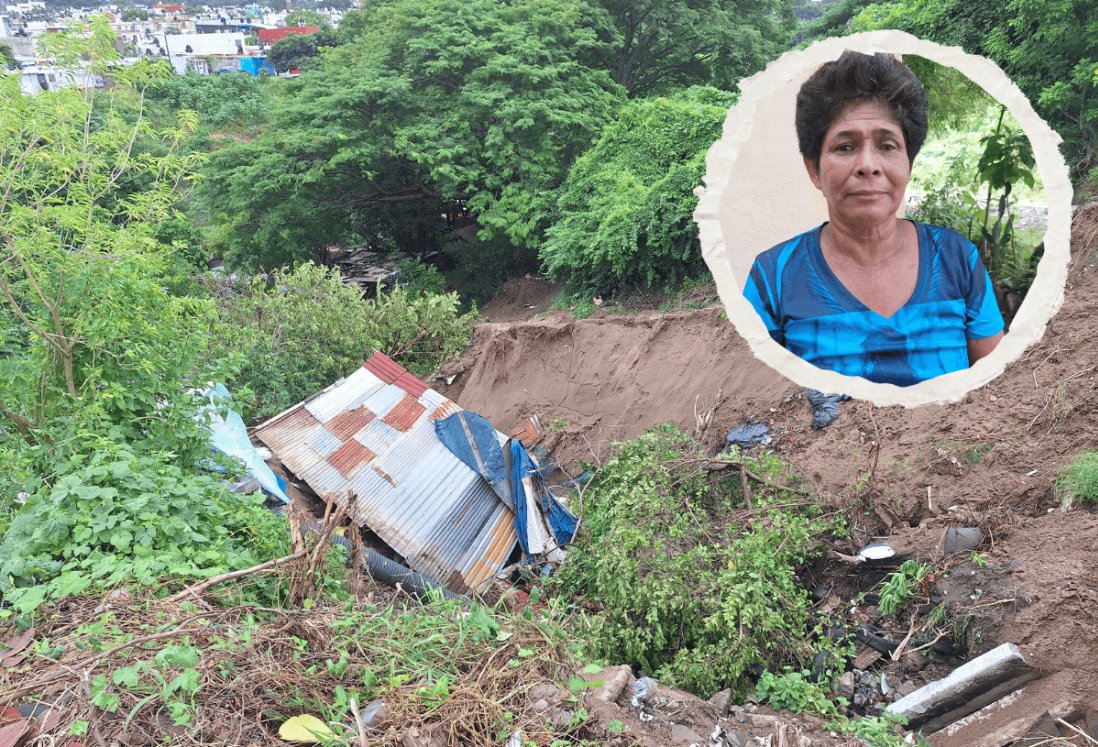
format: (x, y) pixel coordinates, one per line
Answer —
(270, 36)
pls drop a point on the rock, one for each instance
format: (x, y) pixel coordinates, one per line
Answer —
(560, 718)
(961, 539)
(737, 738)
(913, 661)
(684, 735)
(846, 685)
(721, 701)
(614, 680)
(543, 692)
(541, 706)
(375, 715)
(905, 688)
(762, 721)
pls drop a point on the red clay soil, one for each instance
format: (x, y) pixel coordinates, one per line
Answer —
(521, 298)
(990, 460)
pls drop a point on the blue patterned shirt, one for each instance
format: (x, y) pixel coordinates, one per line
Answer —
(810, 312)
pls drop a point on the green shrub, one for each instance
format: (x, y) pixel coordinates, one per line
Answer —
(625, 212)
(692, 589)
(115, 515)
(1080, 478)
(301, 330)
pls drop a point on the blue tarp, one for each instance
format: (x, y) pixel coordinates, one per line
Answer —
(230, 436)
(562, 522)
(473, 440)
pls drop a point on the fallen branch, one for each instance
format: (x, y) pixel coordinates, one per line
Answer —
(214, 581)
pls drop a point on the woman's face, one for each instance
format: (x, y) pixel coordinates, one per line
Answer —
(863, 168)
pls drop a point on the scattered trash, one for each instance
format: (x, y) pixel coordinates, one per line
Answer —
(747, 435)
(825, 407)
(229, 435)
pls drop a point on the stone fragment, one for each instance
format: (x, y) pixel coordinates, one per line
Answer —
(684, 735)
(846, 685)
(721, 701)
(543, 692)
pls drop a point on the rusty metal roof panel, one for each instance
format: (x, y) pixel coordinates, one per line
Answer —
(486, 558)
(378, 440)
(349, 422)
(411, 384)
(384, 368)
(403, 417)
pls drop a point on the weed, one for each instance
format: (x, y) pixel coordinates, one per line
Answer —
(1079, 480)
(977, 559)
(797, 692)
(900, 586)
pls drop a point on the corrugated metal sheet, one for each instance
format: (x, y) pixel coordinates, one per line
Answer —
(323, 441)
(411, 384)
(411, 491)
(348, 423)
(405, 414)
(384, 367)
(378, 436)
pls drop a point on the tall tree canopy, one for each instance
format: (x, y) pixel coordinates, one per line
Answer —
(1050, 49)
(435, 100)
(626, 211)
(654, 46)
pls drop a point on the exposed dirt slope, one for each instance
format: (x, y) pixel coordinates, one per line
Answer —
(593, 381)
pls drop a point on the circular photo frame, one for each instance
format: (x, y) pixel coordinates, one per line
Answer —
(757, 194)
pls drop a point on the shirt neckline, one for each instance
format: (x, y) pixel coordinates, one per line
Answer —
(848, 300)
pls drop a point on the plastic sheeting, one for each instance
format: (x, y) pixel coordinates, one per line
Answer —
(230, 435)
(473, 440)
(542, 523)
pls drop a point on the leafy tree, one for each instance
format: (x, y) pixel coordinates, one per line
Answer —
(1048, 49)
(135, 14)
(436, 100)
(304, 329)
(98, 423)
(308, 18)
(624, 216)
(107, 349)
(235, 101)
(291, 51)
(654, 46)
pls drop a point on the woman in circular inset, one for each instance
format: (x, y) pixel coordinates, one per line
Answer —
(866, 293)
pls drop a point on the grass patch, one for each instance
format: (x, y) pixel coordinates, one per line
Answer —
(237, 673)
(1079, 480)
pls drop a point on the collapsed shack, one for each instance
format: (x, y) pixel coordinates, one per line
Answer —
(453, 499)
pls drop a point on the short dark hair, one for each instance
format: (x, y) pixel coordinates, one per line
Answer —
(854, 78)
